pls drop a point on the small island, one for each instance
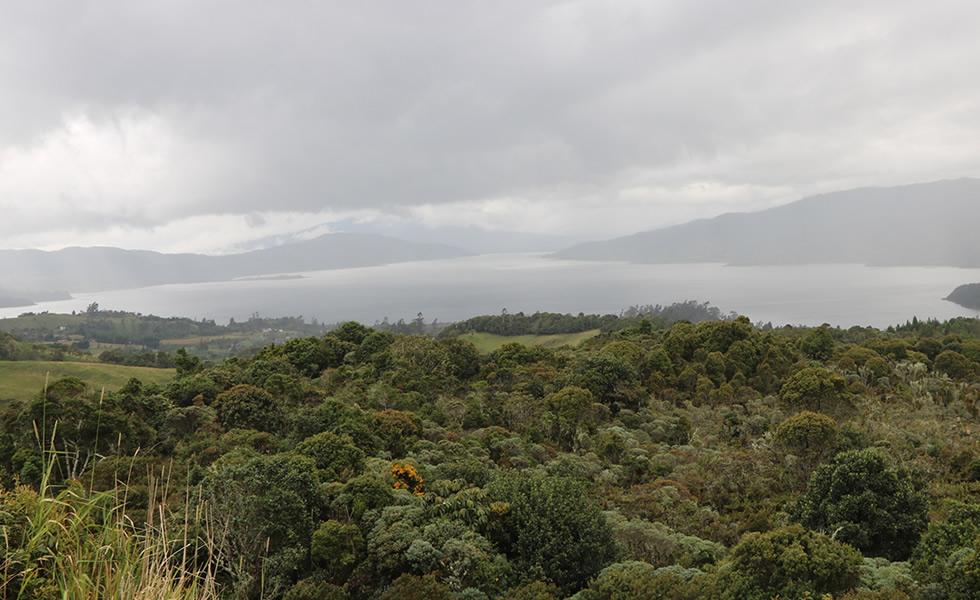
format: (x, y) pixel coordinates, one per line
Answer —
(967, 296)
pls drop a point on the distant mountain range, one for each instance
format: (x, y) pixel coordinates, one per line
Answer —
(470, 238)
(100, 268)
(929, 224)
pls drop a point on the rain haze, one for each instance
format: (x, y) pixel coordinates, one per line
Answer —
(205, 126)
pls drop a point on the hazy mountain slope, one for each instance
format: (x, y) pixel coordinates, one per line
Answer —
(93, 269)
(967, 295)
(923, 224)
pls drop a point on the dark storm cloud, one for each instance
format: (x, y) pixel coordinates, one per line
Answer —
(224, 107)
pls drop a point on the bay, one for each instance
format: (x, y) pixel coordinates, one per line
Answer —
(838, 294)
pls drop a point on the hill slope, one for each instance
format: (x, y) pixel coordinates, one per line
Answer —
(927, 224)
(967, 295)
(100, 268)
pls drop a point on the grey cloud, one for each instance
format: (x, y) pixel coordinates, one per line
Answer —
(388, 105)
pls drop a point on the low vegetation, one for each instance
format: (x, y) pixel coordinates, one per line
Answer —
(672, 461)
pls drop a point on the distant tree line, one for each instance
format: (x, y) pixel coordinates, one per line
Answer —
(546, 323)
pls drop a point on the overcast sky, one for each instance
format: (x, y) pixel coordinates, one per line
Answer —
(195, 125)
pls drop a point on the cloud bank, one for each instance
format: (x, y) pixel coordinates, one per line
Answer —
(179, 125)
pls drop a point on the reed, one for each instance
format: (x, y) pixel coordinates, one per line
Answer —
(71, 543)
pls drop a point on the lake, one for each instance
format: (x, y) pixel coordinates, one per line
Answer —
(455, 289)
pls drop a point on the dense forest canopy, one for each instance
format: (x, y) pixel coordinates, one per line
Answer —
(657, 460)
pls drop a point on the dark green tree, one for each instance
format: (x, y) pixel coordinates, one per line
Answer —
(550, 525)
(261, 510)
(247, 407)
(570, 407)
(788, 563)
(412, 587)
(814, 388)
(335, 456)
(632, 580)
(818, 344)
(956, 535)
(955, 364)
(808, 434)
(862, 501)
(186, 363)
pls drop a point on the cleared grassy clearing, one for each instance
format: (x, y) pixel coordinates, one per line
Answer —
(201, 339)
(488, 342)
(20, 380)
(44, 321)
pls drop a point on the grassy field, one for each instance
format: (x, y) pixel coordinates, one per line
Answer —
(202, 339)
(488, 342)
(19, 380)
(44, 321)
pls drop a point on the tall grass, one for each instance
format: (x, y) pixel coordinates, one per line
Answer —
(72, 543)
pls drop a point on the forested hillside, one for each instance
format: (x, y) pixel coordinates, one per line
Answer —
(710, 460)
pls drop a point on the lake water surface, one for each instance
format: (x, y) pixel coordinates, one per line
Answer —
(455, 289)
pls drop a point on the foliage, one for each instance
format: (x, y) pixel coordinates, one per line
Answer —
(548, 525)
(862, 501)
(629, 580)
(789, 562)
(807, 432)
(335, 456)
(247, 407)
(814, 388)
(948, 550)
(336, 466)
(410, 587)
(261, 510)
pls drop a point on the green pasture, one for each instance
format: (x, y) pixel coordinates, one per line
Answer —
(20, 380)
(488, 342)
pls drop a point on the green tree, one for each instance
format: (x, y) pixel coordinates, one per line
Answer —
(818, 344)
(412, 587)
(808, 434)
(633, 580)
(571, 406)
(247, 407)
(187, 364)
(260, 508)
(864, 502)
(537, 590)
(351, 331)
(549, 525)
(788, 563)
(335, 456)
(877, 367)
(612, 380)
(814, 388)
(396, 428)
(464, 358)
(954, 364)
(338, 547)
(945, 543)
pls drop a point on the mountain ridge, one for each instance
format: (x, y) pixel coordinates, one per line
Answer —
(925, 224)
(99, 268)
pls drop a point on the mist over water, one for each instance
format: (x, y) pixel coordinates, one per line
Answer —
(455, 289)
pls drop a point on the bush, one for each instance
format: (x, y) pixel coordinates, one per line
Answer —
(863, 502)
